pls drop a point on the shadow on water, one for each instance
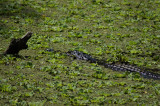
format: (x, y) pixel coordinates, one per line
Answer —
(15, 10)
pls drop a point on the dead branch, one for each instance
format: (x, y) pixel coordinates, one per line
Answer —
(18, 44)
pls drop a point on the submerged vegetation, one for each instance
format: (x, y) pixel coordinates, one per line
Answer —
(125, 31)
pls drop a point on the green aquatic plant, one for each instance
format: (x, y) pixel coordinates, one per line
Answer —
(124, 31)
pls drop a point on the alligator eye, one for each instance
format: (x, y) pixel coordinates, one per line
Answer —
(49, 50)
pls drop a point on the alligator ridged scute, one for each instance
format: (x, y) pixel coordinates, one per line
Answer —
(117, 67)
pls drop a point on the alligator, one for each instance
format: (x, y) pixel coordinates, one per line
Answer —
(144, 72)
(117, 67)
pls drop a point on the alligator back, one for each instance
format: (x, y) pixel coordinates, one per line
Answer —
(117, 67)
